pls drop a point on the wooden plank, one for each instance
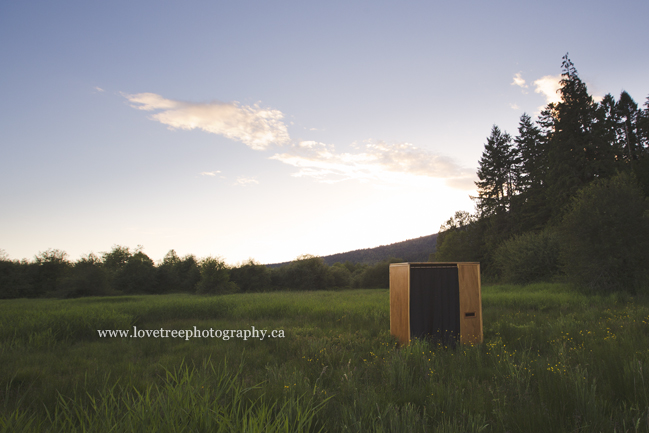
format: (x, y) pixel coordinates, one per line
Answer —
(400, 302)
(470, 303)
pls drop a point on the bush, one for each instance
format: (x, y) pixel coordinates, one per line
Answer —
(137, 275)
(307, 272)
(378, 275)
(177, 275)
(251, 277)
(53, 267)
(215, 278)
(527, 258)
(87, 278)
(341, 276)
(605, 236)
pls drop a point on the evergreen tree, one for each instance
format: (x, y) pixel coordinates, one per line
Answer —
(496, 173)
(627, 111)
(577, 154)
(530, 205)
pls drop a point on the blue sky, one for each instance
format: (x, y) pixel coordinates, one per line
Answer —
(274, 129)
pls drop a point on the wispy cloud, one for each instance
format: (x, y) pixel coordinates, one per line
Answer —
(259, 128)
(254, 126)
(99, 89)
(398, 162)
(519, 81)
(245, 181)
(514, 106)
(548, 86)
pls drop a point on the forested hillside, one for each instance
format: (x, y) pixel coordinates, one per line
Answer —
(411, 250)
(565, 198)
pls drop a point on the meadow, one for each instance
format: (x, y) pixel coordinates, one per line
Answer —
(553, 360)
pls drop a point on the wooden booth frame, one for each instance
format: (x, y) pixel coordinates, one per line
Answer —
(407, 309)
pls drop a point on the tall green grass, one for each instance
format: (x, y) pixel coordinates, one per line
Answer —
(553, 360)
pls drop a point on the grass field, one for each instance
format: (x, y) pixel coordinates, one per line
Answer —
(553, 360)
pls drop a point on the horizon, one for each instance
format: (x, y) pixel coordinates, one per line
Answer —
(279, 130)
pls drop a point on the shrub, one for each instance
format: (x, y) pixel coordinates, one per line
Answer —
(378, 275)
(527, 258)
(307, 272)
(251, 277)
(215, 277)
(137, 275)
(87, 278)
(340, 275)
(605, 236)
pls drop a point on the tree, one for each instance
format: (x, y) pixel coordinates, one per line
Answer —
(116, 258)
(577, 154)
(251, 276)
(605, 236)
(530, 204)
(627, 111)
(137, 275)
(307, 272)
(459, 239)
(53, 267)
(87, 278)
(496, 174)
(215, 277)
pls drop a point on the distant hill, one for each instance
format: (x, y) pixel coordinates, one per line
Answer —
(412, 250)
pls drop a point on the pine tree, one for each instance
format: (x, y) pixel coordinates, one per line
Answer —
(529, 205)
(578, 152)
(627, 111)
(496, 173)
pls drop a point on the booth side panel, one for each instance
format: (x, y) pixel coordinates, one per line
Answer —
(470, 303)
(400, 303)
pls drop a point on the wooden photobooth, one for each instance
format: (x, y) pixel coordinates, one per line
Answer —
(440, 301)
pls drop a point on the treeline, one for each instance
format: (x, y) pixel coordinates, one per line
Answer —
(122, 271)
(565, 198)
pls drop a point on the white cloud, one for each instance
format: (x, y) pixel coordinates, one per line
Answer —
(245, 181)
(519, 81)
(394, 163)
(99, 89)
(548, 86)
(254, 126)
(210, 173)
(514, 106)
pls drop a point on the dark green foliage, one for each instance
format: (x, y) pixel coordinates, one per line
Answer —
(17, 279)
(497, 174)
(525, 190)
(251, 276)
(215, 278)
(137, 275)
(378, 275)
(527, 258)
(177, 275)
(116, 258)
(605, 236)
(53, 267)
(579, 151)
(307, 272)
(529, 207)
(341, 276)
(459, 239)
(87, 278)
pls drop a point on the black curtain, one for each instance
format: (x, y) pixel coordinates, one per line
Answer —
(435, 304)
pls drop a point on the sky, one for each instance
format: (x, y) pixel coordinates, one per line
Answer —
(272, 129)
